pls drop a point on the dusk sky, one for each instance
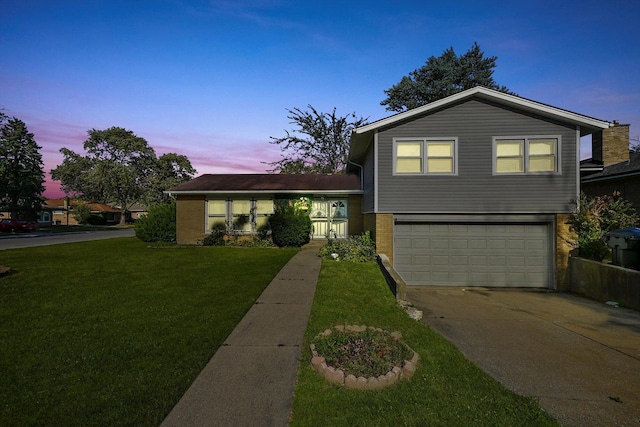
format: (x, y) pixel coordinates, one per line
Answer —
(212, 79)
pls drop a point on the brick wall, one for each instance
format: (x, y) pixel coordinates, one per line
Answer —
(65, 218)
(384, 235)
(611, 146)
(190, 219)
(381, 228)
(355, 215)
(563, 246)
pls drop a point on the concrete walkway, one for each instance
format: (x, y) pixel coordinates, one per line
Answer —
(251, 379)
(579, 358)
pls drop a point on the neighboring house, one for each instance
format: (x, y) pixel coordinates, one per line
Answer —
(45, 215)
(62, 211)
(623, 177)
(471, 190)
(333, 202)
(608, 147)
(619, 169)
(135, 212)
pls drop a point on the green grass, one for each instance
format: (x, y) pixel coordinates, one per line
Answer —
(446, 390)
(113, 332)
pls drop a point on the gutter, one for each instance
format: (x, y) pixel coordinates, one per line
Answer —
(608, 177)
(196, 192)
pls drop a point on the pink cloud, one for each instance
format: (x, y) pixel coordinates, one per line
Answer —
(208, 153)
(215, 153)
(53, 190)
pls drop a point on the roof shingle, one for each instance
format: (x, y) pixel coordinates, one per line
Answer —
(622, 168)
(269, 183)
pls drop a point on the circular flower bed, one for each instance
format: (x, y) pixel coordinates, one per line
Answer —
(362, 357)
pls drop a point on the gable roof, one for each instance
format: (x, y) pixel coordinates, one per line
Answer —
(619, 170)
(270, 183)
(588, 125)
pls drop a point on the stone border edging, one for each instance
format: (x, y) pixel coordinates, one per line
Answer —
(337, 376)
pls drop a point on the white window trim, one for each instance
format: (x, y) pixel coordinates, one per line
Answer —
(525, 154)
(424, 141)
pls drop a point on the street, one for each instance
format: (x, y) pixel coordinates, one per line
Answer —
(28, 240)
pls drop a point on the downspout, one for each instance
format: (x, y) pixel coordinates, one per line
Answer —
(361, 174)
(578, 176)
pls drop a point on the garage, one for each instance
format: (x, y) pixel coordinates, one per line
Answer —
(474, 254)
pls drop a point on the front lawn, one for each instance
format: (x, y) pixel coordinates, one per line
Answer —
(113, 332)
(447, 389)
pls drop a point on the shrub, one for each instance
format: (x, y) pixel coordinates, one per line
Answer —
(252, 242)
(96, 220)
(82, 213)
(597, 216)
(354, 249)
(368, 354)
(290, 227)
(216, 237)
(219, 231)
(159, 225)
(264, 232)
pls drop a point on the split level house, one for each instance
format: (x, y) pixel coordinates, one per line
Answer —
(471, 190)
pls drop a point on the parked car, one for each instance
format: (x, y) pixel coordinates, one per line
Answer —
(9, 225)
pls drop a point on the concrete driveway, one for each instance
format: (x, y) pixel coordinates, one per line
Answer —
(579, 358)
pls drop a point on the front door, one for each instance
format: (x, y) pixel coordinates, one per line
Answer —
(330, 219)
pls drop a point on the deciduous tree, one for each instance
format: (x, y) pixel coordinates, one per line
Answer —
(120, 168)
(595, 217)
(443, 76)
(21, 169)
(318, 144)
(169, 170)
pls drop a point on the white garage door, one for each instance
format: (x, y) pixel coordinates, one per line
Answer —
(492, 255)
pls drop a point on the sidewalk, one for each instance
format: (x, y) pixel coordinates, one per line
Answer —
(251, 379)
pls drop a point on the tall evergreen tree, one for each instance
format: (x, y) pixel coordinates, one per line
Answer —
(21, 170)
(443, 76)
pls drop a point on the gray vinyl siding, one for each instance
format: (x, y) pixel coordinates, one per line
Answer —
(475, 189)
(368, 197)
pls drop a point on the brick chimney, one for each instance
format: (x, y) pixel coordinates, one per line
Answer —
(611, 146)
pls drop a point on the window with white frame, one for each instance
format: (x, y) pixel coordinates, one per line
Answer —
(526, 155)
(241, 215)
(425, 156)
